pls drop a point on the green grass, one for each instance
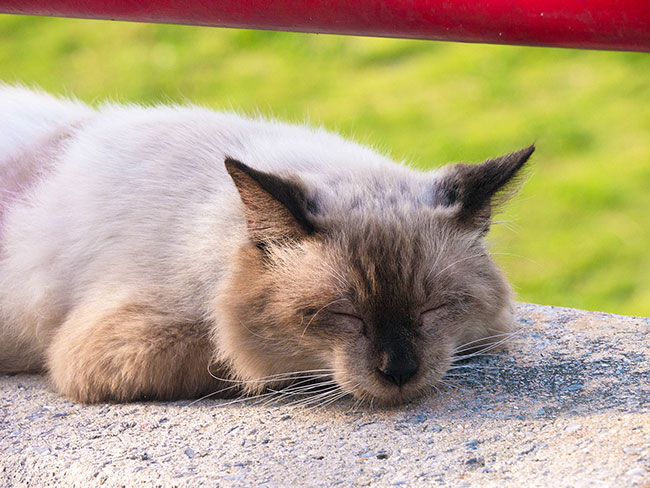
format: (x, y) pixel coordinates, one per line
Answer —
(579, 232)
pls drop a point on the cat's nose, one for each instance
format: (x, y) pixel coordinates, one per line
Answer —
(399, 375)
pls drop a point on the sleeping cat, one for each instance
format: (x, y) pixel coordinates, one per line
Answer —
(173, 252)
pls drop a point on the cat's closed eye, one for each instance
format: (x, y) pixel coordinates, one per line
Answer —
(353, 320)
(432, 312)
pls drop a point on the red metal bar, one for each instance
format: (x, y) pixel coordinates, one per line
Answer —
(588, 24)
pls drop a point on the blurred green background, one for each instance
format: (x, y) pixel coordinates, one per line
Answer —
(577, 235)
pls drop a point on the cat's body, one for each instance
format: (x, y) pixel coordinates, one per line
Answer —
(129, 266)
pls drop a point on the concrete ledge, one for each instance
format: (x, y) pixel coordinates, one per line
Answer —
(567, 405)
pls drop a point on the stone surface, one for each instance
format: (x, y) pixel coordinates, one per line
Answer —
(568, 404)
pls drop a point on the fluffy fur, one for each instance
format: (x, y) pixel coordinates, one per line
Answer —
(163, 252)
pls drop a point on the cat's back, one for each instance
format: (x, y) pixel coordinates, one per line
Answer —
(193, 138)
(141, 194)
(151, 144)
(157, 174)
(147, 175)
(28, 115)
(157, 166)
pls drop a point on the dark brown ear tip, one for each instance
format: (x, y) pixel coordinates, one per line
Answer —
(518, 158)
(527, 151)
(231, 163)
(235, 168)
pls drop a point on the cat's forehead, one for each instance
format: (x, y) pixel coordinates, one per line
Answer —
(387, 214)
(391, 257)
(393, 233)
(384, 188)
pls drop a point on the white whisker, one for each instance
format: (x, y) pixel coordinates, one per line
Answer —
(513, 255)
(486, 349)
(211, 394)
(332, 400)
(315, 398)
(253, 332)
(319, 311)
(323, 396)
(277, 377)
(464, 347)
(450, 385)
(457, 262)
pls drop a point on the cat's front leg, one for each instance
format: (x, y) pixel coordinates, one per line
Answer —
(131, 353)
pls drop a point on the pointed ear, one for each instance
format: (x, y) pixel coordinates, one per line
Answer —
(478, 188)
(276, 209)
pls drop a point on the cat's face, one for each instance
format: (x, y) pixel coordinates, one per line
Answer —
(379, 296)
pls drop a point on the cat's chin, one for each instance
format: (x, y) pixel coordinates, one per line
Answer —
(387, 398)
(372, 392)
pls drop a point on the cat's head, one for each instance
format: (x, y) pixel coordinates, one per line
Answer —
(373, 278)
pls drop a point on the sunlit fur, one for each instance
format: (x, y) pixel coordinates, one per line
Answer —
(275, 310)
(130, 268)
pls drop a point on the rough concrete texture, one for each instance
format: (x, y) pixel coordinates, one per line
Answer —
(567, 405)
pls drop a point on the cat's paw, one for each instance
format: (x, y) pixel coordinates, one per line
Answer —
(128, 354)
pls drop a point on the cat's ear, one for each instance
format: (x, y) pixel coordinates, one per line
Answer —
(476, 189)
(276, 209)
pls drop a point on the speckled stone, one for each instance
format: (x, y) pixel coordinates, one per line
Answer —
(568, 404)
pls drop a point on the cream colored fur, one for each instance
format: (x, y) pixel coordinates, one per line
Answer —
(121, 233)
